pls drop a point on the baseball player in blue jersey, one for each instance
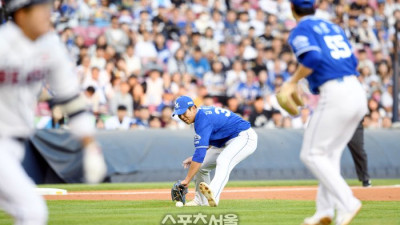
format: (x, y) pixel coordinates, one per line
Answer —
(222, 140)
(329, 65)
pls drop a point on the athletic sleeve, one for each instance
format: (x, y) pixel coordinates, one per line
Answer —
(203, 129)
(62, 77)
(310, 59)
(301, 41)
(64, 86)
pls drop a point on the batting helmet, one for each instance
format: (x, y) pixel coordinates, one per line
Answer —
(13, 5)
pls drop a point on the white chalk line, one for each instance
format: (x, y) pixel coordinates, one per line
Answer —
(226, 190)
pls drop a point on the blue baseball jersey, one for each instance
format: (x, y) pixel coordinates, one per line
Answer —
(328, 39)
(215, 126)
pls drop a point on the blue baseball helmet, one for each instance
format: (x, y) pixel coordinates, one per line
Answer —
(182, 104)
(14, 5)
(303, 4)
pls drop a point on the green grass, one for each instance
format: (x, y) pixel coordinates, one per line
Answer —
(250, 212)
(158, 185)
(262, 212)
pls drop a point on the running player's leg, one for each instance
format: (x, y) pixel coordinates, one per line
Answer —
(203, 175)
(18, 196)
(236, 151)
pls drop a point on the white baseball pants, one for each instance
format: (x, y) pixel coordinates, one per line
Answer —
(223, 160)
(342, 105)
(17, 191)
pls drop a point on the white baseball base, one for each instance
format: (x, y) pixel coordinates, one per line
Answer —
(51, 191)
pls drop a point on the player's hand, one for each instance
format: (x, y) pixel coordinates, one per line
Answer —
(186, 163)
(289, 99)
(94, 166)
(185, 183)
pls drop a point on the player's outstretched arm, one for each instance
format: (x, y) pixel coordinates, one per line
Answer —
(193, 169)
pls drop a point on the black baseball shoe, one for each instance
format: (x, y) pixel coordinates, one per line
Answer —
(367, 183)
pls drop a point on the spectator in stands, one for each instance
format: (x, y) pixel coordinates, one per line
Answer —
(231, 31)
(367, 35)
(163, 53)
(122, 97)
(197, 64)
(98, 59)
(259, 117)
(57, 120)
(208, 42)
(177, 62)
(100, 124)
(323, 10)
(234, 78)
(116, 37)
(166, 118)
(138, 96)
(121, 121)
(154, 122)
(363, 61)
(249, 90)
(142, 120)
(287, 122)
(386, 122)
(241, 35)
(92, 100)
(214, 80)
(145, 48)
(208, 100)
(277, 120)
(352, 32)
(233, 105)
(217, 26)
(375, 120)
(154, 88)
(133, 62)
(98, 81)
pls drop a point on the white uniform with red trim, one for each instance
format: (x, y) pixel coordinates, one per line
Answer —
(25, 66)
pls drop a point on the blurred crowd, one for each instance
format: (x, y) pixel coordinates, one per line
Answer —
(134, 57)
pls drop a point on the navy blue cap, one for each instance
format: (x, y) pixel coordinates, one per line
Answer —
(303, 4)
(182, 104)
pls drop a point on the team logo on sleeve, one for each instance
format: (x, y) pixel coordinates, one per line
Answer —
(197, 139)
(300, 42)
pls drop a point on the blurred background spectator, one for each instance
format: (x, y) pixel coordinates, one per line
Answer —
(134, 57)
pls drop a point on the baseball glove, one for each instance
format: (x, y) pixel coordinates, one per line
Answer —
(178, 192)
(289, 99)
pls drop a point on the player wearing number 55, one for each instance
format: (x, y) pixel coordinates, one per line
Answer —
(222, 140)
(329, 65)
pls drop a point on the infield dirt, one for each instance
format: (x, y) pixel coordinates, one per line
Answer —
(378, 193)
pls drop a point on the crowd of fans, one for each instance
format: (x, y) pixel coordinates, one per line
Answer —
(134, 57)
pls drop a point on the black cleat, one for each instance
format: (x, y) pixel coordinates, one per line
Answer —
(367, 183)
